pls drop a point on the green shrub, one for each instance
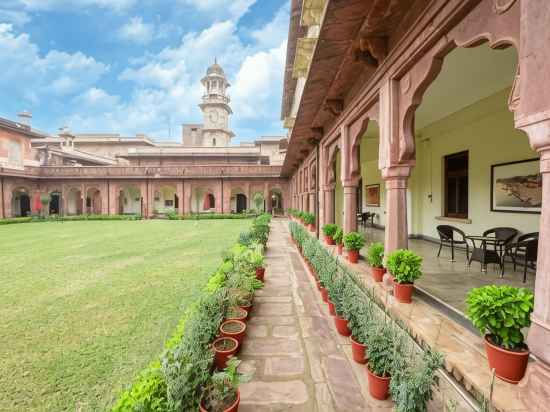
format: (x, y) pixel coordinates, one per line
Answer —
(309, 218)
(502, 312)
(412, 386)
(330, 229)
(15, 220)
(338, 236)
(404, 265)
(381, 346)
(375, 255)
(354, 241)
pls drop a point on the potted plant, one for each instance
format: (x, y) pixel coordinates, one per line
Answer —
(353, 241)
(339, 238)
(234, 329)
(329, 230)
(380, 342)
(337, 294)
(404, 266)
(359, 314)
(221, 393)
(375, 257)
(236, 313)
(257, 262)
(501, 312)
(224, 348)
(309, 221)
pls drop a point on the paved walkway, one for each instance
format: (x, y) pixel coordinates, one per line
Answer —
(297, 360)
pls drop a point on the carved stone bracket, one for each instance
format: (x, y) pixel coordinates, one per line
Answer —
(371, 49)
(502, 6)
(334, 106)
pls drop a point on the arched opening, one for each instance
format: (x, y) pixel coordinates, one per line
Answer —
(209, 202)
(474, 171)
(258, 201)
(238, 201)
(276, 201)
(202, 200)
(130, 201)
(55, 203)
(371, 190)
(165, 200)
(20, 203)
(93, 201)
(74, 202)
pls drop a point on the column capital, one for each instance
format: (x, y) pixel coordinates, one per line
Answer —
(396, 172)
(538, 131)
(350, 182)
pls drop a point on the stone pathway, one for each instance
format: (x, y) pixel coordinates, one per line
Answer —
(297, 360)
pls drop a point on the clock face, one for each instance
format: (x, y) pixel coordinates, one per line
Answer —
(214, 117)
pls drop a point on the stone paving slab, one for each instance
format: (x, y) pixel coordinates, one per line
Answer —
(297, 360)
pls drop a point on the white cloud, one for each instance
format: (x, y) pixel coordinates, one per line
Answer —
(222, 9)
(137, 31)
(275, 32)
(57, 73)
(15, 17)
(41, 5)
(253, 89)
(97, 98)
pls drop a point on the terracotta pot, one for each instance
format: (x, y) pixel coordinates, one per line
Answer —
(509, 365)
(260, 272)
(342, 326)
(329, 241)
(324, 294)
(248, 309)
(353, 256)
(331, 308)
(358, 350)
(340, 248)
(403, 292)
(378, 387)
(232, 408)
(222, 355)
(311, 228)
(233, 329)
(378, 273)
(242, 317)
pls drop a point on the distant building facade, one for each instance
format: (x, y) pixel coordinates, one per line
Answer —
(111, 174)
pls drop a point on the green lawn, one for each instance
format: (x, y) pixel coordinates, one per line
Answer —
(85, 305)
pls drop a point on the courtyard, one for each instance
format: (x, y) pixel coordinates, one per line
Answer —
(86, 305)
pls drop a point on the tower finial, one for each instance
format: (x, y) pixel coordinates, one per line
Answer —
(215, 59)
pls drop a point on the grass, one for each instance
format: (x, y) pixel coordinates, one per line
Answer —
(86, 305)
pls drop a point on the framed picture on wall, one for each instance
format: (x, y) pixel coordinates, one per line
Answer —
(516, 187)
(372, 195)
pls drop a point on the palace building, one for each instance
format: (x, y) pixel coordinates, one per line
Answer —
(409, 120)
(113, 174)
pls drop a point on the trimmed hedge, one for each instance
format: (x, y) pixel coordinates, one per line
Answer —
(15, 220)
(207, 216)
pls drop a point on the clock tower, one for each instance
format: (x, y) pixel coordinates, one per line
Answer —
(215, 108)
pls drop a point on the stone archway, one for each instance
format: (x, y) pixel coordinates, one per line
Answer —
(74, 202)
(93, 201)
(20, 202)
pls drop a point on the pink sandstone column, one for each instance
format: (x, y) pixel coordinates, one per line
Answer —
(533, 117)
(396, 232)
(187, 197)
(328, 205)
(181, 197)
(350, 206)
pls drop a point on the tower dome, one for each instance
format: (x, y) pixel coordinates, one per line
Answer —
(215, 69)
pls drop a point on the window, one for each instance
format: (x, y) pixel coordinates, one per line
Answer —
(456, 185)
(214, 141)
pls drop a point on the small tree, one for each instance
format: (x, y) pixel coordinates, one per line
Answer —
(258, 200)
(44, 202)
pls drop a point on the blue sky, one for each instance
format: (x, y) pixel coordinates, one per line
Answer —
(134, 66)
